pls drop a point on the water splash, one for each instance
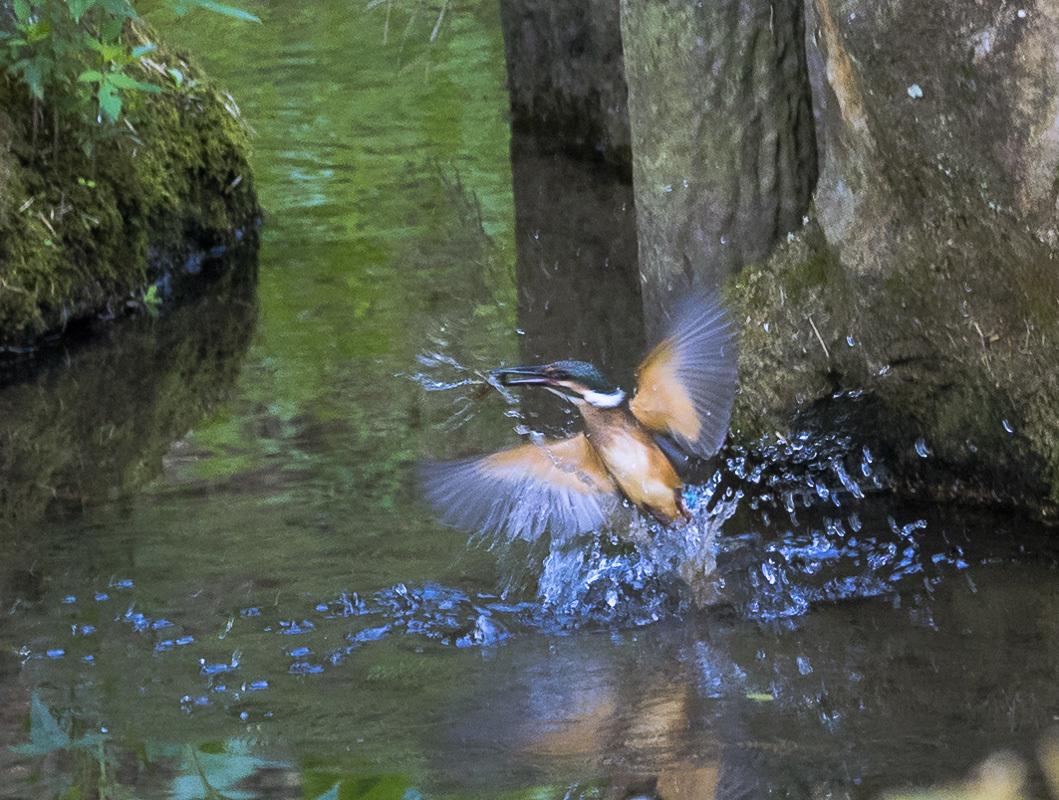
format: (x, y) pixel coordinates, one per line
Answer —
(467, 384)
(640, 572)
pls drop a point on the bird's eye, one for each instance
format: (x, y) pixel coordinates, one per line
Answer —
(560, 375)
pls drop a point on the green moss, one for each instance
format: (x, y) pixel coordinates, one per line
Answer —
(809, 264)
(783, 362)
(77, 232)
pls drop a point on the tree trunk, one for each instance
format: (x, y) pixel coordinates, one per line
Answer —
(724, 159)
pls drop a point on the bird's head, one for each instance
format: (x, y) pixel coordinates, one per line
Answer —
(577, 381)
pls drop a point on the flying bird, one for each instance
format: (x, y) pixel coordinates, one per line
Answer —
(684, 392)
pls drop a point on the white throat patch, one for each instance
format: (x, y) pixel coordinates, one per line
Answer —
(604, 400)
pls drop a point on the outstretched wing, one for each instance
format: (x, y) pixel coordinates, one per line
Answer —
(686, 385)
(523, 491)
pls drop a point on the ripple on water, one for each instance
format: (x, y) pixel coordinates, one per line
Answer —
(808, 532)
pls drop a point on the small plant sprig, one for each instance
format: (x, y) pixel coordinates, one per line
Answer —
(73, 56)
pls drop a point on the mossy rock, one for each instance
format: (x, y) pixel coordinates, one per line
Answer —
(85, 230)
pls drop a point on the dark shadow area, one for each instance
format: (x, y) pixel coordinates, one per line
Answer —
(579, 295)
(90, 416)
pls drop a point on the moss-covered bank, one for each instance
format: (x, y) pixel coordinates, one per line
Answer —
(85, 234)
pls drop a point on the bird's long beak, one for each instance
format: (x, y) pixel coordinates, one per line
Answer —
(523, 376)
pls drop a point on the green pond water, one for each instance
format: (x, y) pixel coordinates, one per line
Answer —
(217, 579)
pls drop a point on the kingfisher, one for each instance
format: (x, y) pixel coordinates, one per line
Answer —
(682, 403)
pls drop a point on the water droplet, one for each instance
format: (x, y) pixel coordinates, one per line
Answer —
(769, 572)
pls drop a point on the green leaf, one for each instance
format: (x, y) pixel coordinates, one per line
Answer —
(760, 697)
(79, 7)
(109, 101)
(31, 74)
(176, 75)
(22, 10)
(90, 76)
(37, 31)
(228, 11)
(110, 30)
(123, 81)
(119, 8)
(112, 53)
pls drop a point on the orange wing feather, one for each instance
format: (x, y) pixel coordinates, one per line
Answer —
(686, 385)
(525, 490)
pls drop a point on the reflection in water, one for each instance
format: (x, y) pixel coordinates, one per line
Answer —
(91, 421)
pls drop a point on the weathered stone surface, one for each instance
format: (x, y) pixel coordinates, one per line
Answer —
(927, 274)
(922, 288)
(724, 158)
